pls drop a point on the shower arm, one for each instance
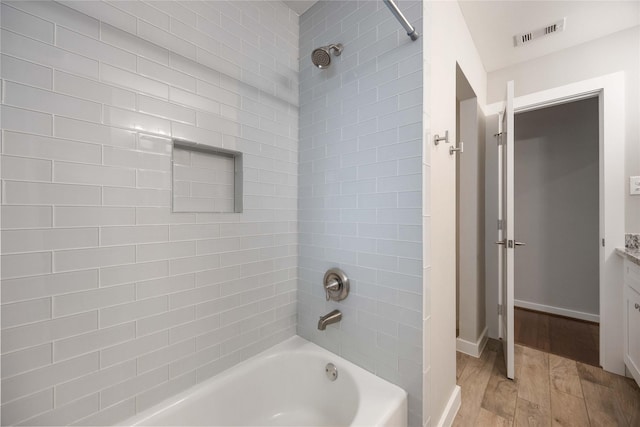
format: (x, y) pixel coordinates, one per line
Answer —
(411, 31)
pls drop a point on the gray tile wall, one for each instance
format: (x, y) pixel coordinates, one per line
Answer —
(110, 302)
(360, 187)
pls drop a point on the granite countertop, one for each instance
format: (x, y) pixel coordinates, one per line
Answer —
(632, 254)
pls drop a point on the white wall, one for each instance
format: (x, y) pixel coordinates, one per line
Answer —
(617, 52)
(450, 43)
(471, 222)
(557, 208)
(361, 187)
(110, 302)
(481, 315)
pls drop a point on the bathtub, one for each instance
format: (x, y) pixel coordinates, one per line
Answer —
(286, 385)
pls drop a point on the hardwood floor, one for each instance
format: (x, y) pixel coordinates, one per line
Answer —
(575, 339)
(549, 390)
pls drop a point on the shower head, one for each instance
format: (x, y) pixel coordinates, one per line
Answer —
(321, 57)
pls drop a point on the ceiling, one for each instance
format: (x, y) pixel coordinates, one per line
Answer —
(299, 6)
(493, 25)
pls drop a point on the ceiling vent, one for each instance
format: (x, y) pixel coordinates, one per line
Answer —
(556, 27)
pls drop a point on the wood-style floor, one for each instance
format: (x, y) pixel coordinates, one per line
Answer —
(548, 390)
(571, 338)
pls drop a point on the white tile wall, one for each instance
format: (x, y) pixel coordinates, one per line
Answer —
(110, 302)
(203, 182)
(360, 190)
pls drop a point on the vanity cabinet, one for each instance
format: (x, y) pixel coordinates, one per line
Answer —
(632, 318)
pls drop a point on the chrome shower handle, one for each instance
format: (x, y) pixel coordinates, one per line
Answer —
(331, 286)
(336, 284)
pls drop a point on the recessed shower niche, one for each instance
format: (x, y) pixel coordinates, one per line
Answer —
(206, 179)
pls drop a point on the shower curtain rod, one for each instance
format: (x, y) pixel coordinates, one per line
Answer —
(411, 31)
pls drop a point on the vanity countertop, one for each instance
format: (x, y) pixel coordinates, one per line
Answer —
(630, 254)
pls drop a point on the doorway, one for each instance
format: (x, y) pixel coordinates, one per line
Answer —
(557, 210)
(609, 91)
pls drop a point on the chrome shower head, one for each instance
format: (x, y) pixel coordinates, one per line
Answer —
(321, 57)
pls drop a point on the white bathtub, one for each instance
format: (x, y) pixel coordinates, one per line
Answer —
(284, 386)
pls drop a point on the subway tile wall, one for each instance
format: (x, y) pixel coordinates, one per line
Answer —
(203, 181)
(360, 187)
(111, 302)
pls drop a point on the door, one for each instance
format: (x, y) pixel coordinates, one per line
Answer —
(506, 240)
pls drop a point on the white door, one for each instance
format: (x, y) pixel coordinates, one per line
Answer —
(506, 238)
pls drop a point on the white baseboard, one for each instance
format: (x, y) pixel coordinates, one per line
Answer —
(472, 348)
(557, 310)
(451, 410)
(632, 369)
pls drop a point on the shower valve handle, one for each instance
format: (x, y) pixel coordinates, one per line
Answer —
(336, 284)
(332, 285)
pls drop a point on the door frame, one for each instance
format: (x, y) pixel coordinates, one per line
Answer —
(609, 89)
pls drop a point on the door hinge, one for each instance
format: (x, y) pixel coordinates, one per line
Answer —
(499, 138)
(500, 224)
(603, 243)
(500, 311)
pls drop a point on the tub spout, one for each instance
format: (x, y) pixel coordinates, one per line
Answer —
(334, 317)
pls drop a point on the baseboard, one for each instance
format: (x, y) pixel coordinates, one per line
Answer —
(632, 369)
(470, 348)
(451, 409)
(558, 310)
